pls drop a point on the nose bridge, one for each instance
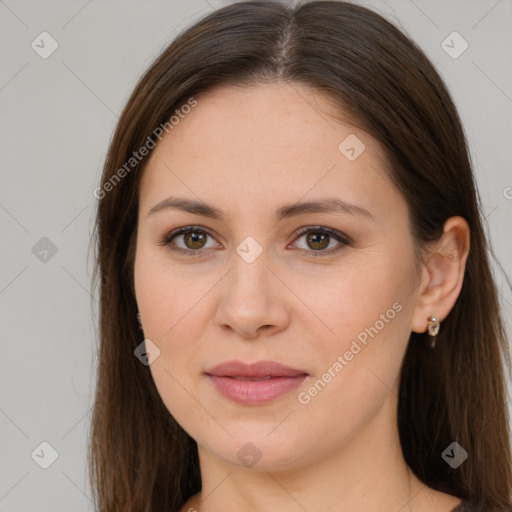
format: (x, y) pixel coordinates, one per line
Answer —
(251, 298)
(250, 275)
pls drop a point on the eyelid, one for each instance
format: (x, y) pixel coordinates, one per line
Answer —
(330, 231)
(344, 240)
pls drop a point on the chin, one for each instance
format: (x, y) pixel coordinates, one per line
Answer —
(252, 448)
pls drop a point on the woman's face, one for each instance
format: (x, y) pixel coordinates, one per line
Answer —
(328, 293)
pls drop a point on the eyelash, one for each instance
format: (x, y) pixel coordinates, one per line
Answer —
(340, 237)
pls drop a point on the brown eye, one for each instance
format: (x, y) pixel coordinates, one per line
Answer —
(317, 241)
(189, 240)
(194, 239)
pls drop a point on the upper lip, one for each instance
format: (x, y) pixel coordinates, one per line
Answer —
(257, 369)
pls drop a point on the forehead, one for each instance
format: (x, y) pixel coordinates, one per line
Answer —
(249, 143)
(268, 116)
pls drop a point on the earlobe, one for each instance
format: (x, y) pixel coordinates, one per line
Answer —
(443, 274)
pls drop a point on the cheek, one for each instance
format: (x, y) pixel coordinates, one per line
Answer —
(351, 300)
(166, 296)
(369, 315)
(358, 376)
(166, 309)
(171, 307)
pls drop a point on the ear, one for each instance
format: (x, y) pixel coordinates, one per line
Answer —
(442, 274)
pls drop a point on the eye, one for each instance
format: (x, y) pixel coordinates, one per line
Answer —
(317, 238)
(193, 237)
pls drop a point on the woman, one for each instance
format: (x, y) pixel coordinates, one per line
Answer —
(297, 310)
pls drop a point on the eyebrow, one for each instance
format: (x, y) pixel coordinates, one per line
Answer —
(328, 205)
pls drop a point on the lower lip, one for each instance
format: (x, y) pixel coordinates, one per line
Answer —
(255, 392)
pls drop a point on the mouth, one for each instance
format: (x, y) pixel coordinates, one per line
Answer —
(238, 377)
(254, 384)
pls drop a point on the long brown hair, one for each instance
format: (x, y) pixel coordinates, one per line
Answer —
(140, 458)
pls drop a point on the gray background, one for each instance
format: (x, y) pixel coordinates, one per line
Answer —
(58, 115)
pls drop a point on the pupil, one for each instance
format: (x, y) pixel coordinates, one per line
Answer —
(196, 238)
(317, 239)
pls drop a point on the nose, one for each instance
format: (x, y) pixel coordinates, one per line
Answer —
(253, 300)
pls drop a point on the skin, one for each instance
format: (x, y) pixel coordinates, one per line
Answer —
(247, 151)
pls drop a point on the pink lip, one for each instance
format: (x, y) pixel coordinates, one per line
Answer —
(257, 383)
